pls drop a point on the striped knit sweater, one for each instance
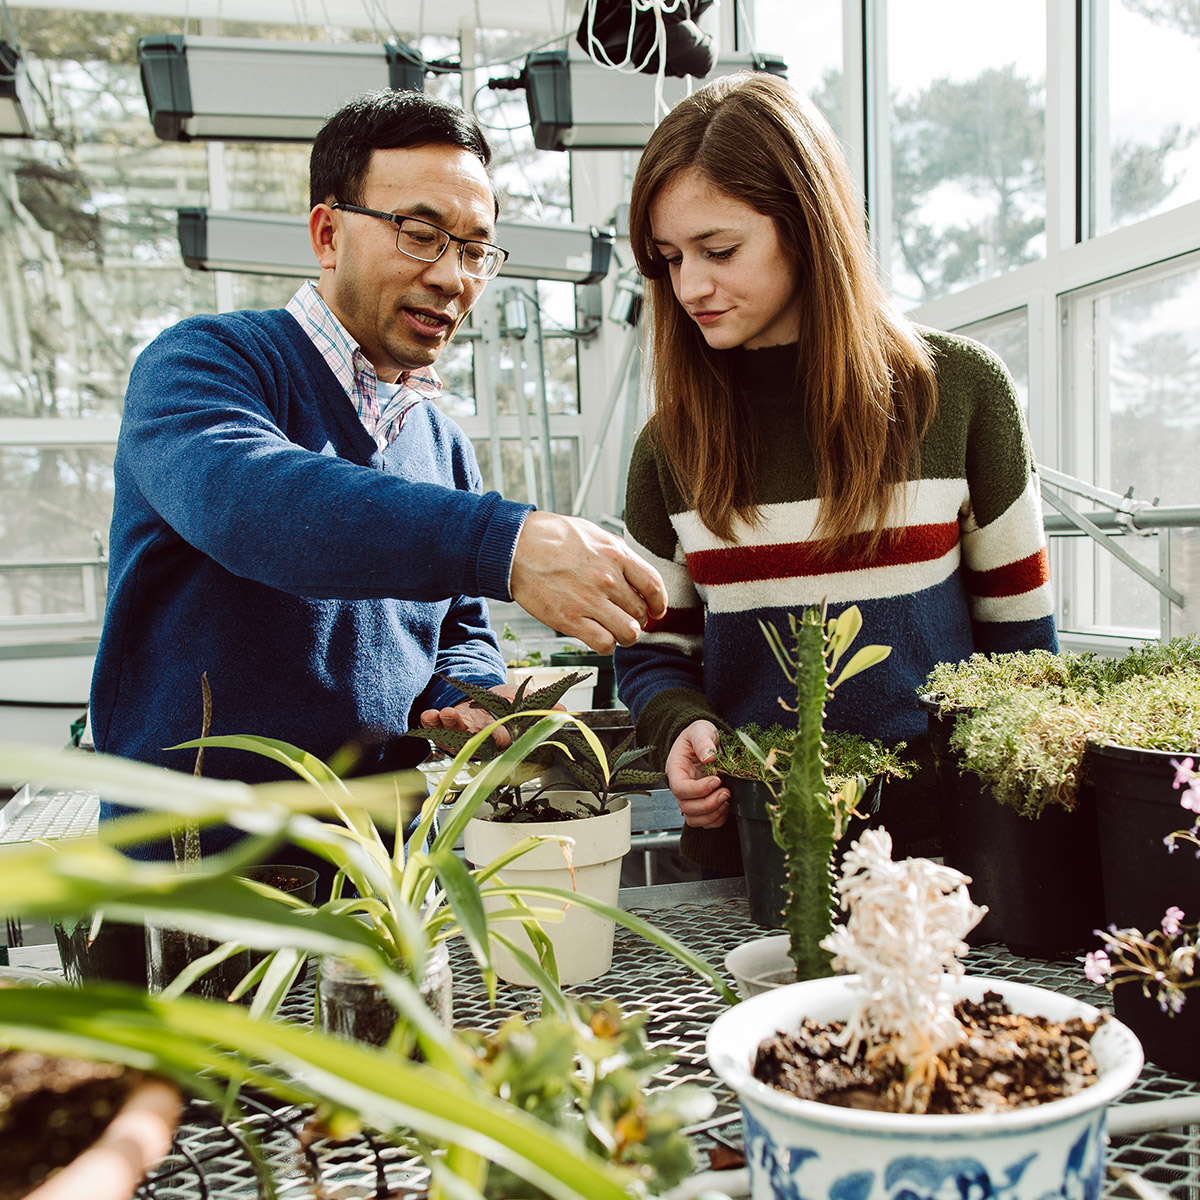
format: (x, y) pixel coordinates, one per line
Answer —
(968, 573)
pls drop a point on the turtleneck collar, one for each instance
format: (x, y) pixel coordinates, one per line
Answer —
(769, 372)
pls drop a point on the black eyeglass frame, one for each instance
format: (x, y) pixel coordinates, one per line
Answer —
(398, 221)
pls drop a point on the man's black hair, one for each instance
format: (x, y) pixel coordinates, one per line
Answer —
(384, 120)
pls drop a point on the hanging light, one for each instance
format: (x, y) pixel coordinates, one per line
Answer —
(577, 104)
(250, 89)
(16, 96)
(277, 244)
(613, 34)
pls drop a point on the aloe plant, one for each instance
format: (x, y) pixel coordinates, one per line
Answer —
(808, 815)
(575, 749)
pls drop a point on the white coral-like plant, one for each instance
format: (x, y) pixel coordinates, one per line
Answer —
(903, 938)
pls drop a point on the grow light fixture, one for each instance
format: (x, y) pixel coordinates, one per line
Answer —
(16, 96)
(277, 244)
(250, 89)
(576, 104)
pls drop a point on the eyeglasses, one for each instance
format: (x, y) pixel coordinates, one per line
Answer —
(427, 243)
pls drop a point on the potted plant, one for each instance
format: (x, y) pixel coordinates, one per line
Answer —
(575, 656)
(585, 834)
(808, 815)
(753, 768)
(1150, 723)
(540, 669)
(1023, 805)
(605, 1107)
(581, 834)
(420, 895)
(1150, 974)
(204, 1046)
(906, 1075)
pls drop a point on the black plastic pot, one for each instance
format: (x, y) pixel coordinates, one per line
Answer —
(762, 857)
(1171, 1041)
(1039, 878)
(604, 694)
(118, 952)
(1137, 806)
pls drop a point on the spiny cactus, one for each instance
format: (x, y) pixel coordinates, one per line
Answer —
(806, 818)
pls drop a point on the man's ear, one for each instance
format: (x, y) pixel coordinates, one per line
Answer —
(323, 233)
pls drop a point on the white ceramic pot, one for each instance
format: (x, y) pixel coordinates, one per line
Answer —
(576, 699)
(799, 1147)
(582, 941)
(760, 965)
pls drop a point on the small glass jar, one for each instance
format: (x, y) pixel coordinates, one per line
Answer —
(352, 1004)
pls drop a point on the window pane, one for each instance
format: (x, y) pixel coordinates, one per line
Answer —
(1146, 143)
(967, 97)
(564, 454)
(55, 509)
(811, 47)
(88, 240)
(456, 370)
(1151, 370)
(1136, 358)
(556, 309)
(534, 185)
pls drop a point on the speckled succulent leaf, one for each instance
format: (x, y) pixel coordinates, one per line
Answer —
(552, 693)
(486, 699)
(585, 773)
(449, 740)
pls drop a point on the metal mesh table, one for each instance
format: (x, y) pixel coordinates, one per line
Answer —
(212, 1160)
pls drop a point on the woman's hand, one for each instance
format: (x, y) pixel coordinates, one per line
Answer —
(702, 798)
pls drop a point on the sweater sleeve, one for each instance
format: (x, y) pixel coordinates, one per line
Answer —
(224, 438)
(1005, 562)
(667, 657)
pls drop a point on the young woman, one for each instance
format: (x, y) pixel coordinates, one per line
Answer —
(807, 443)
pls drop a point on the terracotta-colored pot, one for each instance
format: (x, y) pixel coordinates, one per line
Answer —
(135, 1140)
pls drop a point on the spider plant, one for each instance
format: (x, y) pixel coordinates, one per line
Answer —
(211, 1048)
(422, 893)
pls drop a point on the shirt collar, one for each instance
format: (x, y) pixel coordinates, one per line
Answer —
(342, 353)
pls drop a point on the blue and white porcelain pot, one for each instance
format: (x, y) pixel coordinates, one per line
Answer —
(802, 1149)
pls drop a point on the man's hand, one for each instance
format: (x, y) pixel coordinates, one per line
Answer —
(584, 582)
(465, 715)
(703, 799)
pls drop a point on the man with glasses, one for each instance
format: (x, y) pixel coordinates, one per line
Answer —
(297, 522)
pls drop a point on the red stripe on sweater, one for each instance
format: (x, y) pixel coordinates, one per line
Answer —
(678, 620)
(1012, 579)
(742, 564)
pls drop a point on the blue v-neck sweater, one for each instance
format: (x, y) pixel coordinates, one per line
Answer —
(261, 537)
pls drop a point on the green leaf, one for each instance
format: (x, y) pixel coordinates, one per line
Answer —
(652, 934)
(868, 656)
(304, 1066)
(775, 641)
(308, 766)
(845, 629)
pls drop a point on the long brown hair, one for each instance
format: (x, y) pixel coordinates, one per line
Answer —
(865, 376)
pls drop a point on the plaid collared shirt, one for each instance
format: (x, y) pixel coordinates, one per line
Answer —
(382, 420)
